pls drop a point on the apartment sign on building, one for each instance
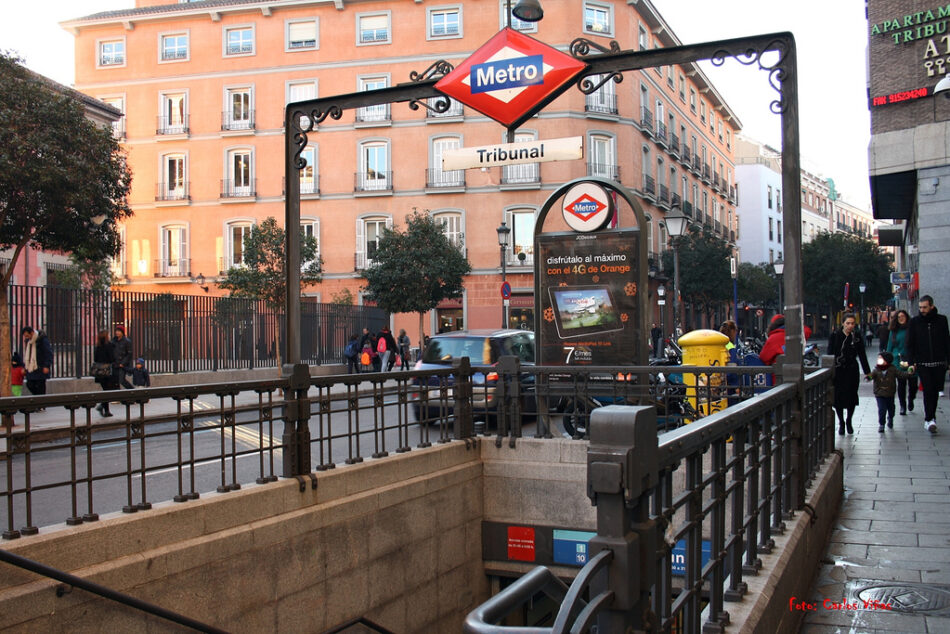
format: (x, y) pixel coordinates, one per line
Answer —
(510, 77)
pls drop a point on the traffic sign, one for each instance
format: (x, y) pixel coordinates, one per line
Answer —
(511, 77)
(514, 153)
(505, 290)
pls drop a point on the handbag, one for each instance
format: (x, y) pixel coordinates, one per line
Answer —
(101, 370)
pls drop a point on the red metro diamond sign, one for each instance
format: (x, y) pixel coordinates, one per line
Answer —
(585, 207)
(511, 77)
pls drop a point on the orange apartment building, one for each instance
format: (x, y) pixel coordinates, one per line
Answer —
(203, 86)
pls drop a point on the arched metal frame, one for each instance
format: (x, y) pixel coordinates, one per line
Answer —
(642, 277)
(604, 63)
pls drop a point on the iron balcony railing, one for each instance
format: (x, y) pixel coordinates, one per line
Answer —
(685, 155)
(706, 173)
(174, 54)
(172, 125)
(455, 109)
(64, 462)
(688, 208)
(646, 121)
(438, 178)
(373, 114)
(240, 48)
(237, 121)
(649, 185)
(604, 170)
(179, 333)
(661, 133)
(525, 174)
(308, 185)
(676, 201)
(664, 197)
(674, 148)
(373, 181)
(696, 167)
(174, 267)
(601, 103)
(172, 191)
(241, 188)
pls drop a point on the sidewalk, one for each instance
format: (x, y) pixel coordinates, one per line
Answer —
(891, 542)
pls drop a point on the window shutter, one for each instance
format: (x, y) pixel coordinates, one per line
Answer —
(360, 244)
(302, 31)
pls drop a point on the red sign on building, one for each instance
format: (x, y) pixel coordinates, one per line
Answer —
(521, 543)
(511, 77)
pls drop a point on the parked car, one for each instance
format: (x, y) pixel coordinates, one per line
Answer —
(483, 348)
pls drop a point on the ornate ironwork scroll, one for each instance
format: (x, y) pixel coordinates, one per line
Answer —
(580, 48)
(440, 68)
(777, 71)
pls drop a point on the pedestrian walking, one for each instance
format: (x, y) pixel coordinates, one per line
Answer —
(37, 359)
(140, 375)
(386, 347)
(869, 336)
(123, 357)
(897, 346)
(885, 377)
(104, 369)
(928, 345)
(655, 335)
(403, 342)
(352, 355)
(847, 346)
(883, 334)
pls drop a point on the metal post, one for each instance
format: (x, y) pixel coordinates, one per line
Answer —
(779, 293)
(676, 286)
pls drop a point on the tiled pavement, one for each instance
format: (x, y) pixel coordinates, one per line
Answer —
(891, 542)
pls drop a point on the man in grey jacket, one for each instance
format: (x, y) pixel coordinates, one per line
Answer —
(123, 356)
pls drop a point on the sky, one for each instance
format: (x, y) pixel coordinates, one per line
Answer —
(831, 36)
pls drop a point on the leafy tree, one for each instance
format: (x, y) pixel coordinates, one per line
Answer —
(64, 182)
(343, 297)
(757, 284)
(833, 259)
(416, 268)
(705, 278)
(263, 274)
(95, 274)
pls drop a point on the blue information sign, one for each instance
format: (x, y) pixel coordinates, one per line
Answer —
(679, 557)
(570, 547)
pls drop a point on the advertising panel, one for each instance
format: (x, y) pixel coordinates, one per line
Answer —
(588, 298)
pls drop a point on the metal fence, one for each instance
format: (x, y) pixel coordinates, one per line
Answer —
(181, 333)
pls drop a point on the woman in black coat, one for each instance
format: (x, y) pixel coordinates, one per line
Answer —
(104, 353)
(847, 346)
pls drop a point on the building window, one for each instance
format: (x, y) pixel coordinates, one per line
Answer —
(682, 88)
(719, 124)
(239, 41)
(368, 232)
(174, 117)
(604, 99)
(308, 175)
(603, 160)
(692, 100)
(525, 172)
(117, 262)
(454, 110)
(302, 35)
(769, 196)
(778, 231)
(238, 114)
(437, 177)
(702, 111)
(521, 222)
(598, 19)
(118, 126)
(174, 184)
(516, 24)
(771, 229)
(379, 112)
(445, 22)
(238, 233)
(239, 183)
(174, 47)
(174, 261)
(310, 228)
(111, 53)
(642, 42)
(374, 174)
(451, 226)
(373, 28)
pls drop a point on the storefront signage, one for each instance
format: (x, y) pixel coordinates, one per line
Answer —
(900, 96)
(569, 148)
(914, 26)
(901, 277)
(589, 313)
(510, 77)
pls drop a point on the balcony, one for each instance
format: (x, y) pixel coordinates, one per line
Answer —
(676, 201)
(526, 174)
(684, 156)
(171, 191)
(663, 199)
(604, 170)
(439, 179)
(715, 182)
(308, 185)
(172, 268)
(646, 121)
(236, 121)
(717, 226)
(649, 186)
(696, 167)
(373, 114)
(661, 134)
(601, 103)
(688, 208)
(734, 196)
(240, 188)
(118, 129)
(732, 236)
(706, 173)
(455, 109)
(373, 181)
(172, 125)
(674, 148)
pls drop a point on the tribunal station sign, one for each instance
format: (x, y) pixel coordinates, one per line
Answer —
(514, 153)
(511, 77)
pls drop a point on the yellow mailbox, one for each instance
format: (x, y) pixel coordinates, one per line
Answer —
(705, 347)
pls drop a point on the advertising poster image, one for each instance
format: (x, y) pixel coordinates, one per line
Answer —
(589, 298)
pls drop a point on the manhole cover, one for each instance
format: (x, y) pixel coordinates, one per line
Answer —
(917, 598)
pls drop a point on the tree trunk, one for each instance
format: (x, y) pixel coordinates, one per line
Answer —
(6, 352)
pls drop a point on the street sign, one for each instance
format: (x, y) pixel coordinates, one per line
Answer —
(587, 207)
(661, 302)
(510, 77)
(901, 277)
(505, 290)
(514, 153)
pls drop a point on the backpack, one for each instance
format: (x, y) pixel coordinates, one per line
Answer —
(365, 360)
(352, 349)
(381, 345)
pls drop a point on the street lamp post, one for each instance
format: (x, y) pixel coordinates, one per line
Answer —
(661, 293)
(503, 232)
(779, 266)
(677, 224)
(862, 287)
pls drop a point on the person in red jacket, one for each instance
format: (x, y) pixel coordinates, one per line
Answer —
(775, 343)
